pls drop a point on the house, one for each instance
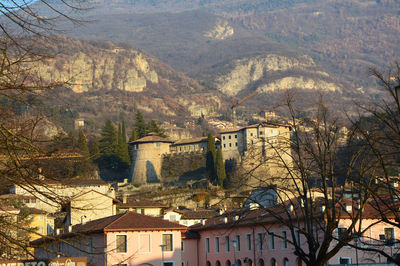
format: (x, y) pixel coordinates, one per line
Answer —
(190, 145)
(189, 217)
(50, 194)
(41, 223)
(254, 237)
(124, 239)
(88, 206)
(141, 205)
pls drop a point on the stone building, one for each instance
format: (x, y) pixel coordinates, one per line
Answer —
(260, 149)
(147, 155)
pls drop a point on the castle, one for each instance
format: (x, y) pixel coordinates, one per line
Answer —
(247, 145)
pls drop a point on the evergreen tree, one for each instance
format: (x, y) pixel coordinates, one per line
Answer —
(133, 137)
(140, 124)
(94, 148)
(123, 132)
(152, 126)
(122, 147)
(221, 175)
(109, 140)
(211, 158)
(82, 144)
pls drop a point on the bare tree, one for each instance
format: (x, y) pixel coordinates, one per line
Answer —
(318, 185)
(20, 87)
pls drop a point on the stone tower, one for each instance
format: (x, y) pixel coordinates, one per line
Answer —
(147, 155)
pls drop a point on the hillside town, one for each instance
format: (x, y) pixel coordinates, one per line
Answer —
(199, 133)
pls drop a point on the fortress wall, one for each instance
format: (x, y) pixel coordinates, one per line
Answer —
(147, 161)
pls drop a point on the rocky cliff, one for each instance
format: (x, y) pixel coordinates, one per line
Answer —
(273, 72)
(108, 80)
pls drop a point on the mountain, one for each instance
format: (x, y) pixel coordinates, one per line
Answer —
(107, 80)
(344, 38)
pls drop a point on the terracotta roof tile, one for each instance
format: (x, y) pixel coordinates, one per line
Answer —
(151, 139)
(134, 202)
(193, 140)
(135, 221)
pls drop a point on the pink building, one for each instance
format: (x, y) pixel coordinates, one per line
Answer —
(256, 238)
(124, 239)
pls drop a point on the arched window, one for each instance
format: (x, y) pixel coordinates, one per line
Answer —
(273, 262)
(261, 262)
(228, 263)
(249, 262)
(238, 262)
(218, 263)
(299, 262)
(285, 262)
(208, 263)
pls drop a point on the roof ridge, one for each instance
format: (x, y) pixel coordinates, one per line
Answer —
(123, 214)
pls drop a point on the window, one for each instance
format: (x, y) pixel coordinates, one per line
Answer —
(223, 137)
(344, 260)
(341, 233)
(168, 264)
(33, 200)
(248, 242)
(389, 236)
(271, 241)
(238, 243)
(182, 246)
(230, 136)
(224, 145)
(284, 240)
(172, 217)
(236, 144)
(167, 242)
(26, 200)
(217, 245)
(121, 244)
(207, 245)
(261, 132)
(251, 134)
(41, 217)
(230, 144)
(121, 264)
(227, 244)
(297, 236)
(235, 136)
(260, 241)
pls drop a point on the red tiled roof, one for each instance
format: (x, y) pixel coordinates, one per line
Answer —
(151, 139)
(134, 202)
(193, 140)
(199, 214)
(133, 221)
(128, 221)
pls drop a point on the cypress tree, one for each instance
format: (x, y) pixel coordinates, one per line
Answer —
(221, 175)
(109, 139)
(122, 147)
(123, 132)
(140, 124)
(82, 144)
(154, 127)
(94, 148)
(211, 158)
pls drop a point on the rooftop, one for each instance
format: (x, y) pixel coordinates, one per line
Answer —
(151, 137)
(128, 221)
(135, 202)
(193, 140)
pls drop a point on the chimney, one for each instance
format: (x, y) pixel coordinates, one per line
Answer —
(124, 198)
(83, 219)
(323, 208)
(348, 207)
(225, 219)
(291, 208)
(58, 231)
(70, 228)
